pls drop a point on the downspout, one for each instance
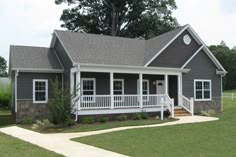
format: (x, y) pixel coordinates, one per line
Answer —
(16, 75)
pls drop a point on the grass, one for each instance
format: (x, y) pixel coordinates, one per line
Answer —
(12, 147)
(5, 117)
(209, 139)
(96, 126)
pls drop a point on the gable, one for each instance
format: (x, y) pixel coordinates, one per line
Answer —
(177, 53)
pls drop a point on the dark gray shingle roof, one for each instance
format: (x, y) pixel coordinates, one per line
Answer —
(33, 58)
(100, 49)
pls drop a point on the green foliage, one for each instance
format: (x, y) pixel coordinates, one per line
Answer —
(60, 107)
(3, 67)
(88, 120)
(103, 119)
(27, 121)
(127, 18)
(227, 57)
(121, 117)
(70, 122)
(141, 115)
(5, 95)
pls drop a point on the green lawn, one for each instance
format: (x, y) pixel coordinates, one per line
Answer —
(209, 139)
(12, 147)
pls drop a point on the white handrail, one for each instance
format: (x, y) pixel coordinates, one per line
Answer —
(188, 104)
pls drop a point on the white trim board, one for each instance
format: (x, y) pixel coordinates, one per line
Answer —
(186, 63)
(46, 91)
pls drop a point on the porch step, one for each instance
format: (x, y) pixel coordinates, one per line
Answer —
(179, 112)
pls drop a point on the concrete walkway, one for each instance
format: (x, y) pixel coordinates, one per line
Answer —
(61, 143)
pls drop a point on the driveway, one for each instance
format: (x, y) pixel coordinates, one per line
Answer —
(61, 143)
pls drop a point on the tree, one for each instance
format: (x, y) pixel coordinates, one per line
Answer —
(227, 57)
(127, 18)
(3, 67)
(60, 108)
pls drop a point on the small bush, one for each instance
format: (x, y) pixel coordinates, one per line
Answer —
(121, 118)
(137, 116)
(69, 122)
(104, 119)
(88, 120)
(140, 115)
(27, 121)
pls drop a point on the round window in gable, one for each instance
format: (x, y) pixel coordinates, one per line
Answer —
(187, 40)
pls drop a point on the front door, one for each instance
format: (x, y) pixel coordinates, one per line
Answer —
(160, 87)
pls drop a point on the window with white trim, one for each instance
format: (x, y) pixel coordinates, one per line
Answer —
(118, 89)
(40, 91)
(88, 89)
(202, 90)
(145, 89)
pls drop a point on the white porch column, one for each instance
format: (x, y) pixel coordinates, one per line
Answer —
(180, 89)
(111, 90)
(79, 87)
(166, 85)
(141, 89)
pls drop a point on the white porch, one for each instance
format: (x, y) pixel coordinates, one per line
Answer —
(91, 103)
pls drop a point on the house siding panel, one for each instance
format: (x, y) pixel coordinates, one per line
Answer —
(65, 60)
(25, 84)
(201, 68)
(130, 82)
(177, 53)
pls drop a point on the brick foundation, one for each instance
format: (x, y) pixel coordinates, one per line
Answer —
(215, 104)
(26, 109)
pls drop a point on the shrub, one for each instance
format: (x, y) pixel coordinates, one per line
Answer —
(60, 107)
(104, 119)
(140, 115)
(5, 95)
(27, 120)
(137, 116)
(121, 118)
(69, 122)
(144, 115)
(88, 120)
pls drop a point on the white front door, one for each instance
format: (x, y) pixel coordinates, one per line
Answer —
(160, 87)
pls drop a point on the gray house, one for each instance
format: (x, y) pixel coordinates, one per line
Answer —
(175, 69)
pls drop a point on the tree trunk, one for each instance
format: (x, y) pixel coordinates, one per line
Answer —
(114, 20)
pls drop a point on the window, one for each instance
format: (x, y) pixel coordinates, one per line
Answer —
(145, 89)
(88, 89)
(40, 91)
(202, 90)
(118, 89)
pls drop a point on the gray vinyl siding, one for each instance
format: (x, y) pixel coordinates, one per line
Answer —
(201, 68)
(177, 53)
(65, 60)
(25, 84)
(130, 82)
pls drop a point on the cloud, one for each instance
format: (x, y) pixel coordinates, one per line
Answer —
(209, 20)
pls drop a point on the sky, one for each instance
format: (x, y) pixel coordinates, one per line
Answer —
(31, 23)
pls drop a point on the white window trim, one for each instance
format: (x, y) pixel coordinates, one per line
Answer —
(46, 90)
(94, 89)
(202, 80)
(123, 89)
(148, 91)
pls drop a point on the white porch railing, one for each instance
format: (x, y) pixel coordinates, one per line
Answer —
(188, 104)
(125, 101)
